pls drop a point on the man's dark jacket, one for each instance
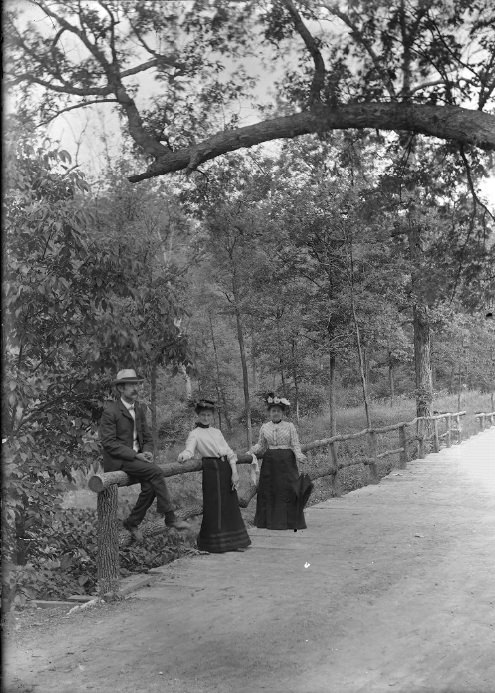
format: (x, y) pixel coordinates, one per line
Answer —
(117, 434)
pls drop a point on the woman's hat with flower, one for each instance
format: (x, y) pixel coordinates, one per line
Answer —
(203, 404)
(273, 400)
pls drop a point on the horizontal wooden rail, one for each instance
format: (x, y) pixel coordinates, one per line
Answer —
(483, 416)
(99, 482)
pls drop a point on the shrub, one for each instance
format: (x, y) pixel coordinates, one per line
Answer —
(61, 556)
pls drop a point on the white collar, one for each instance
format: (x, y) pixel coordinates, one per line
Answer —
(128, 406)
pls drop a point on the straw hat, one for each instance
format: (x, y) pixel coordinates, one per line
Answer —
(127, 375)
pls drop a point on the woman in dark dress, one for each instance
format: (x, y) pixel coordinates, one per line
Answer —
(276, 506)
(222, 528)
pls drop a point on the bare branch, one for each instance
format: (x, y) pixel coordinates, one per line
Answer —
(145, 140)
(80, 33)
(169, 60)
(60, 88)
(367, 45)
(436, 82)
(312, 46)
(72, 108)
(113, 23)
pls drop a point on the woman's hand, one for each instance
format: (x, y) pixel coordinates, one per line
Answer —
(182, 457)
(235, 478)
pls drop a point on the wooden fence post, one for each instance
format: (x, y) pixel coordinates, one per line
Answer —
(420, 433)
(448, 432)
(336, 487)
(372, 461)
(481, 420)
(459, 431)
(107, 560)
(436, 441)
(403, 457)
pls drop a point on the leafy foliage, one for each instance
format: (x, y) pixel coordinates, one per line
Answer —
(65, 295)
(60, 558)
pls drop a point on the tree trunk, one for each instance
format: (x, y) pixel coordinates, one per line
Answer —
(391, 382)
(154, 422)
(242, 349)
(280, 355)
(254, 369)
(422, 361)
(217, 368)
(459, 387)
(333, 398)
(107, 561)
(226, 410)
(296, 381)
(421, 327)
(361, 367)
(282, 377)
(362, 373)
(452, 380)
(187, 381)
(366, 363)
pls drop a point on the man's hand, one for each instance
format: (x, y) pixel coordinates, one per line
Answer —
(183, 456)
(254, 471)
(145, 456)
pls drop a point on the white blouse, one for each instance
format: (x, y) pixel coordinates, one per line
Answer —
(276, 437)
(207, 442)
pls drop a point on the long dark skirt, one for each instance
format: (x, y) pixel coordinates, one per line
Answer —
(222, 528)
(276, 506)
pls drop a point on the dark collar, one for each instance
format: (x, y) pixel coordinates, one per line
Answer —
(200, 425)
(276, 422)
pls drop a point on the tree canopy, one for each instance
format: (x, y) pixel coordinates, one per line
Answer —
(417, 66)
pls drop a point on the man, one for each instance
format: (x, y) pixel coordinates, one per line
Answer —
(127, 445)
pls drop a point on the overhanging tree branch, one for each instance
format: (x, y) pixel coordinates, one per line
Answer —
(445, 122)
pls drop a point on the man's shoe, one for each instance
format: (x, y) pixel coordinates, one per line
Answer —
(178, 524)
(135, 532)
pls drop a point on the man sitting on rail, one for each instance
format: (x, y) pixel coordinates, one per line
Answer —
(127, 446)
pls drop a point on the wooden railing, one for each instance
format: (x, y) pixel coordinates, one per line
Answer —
(484, 417)
(417, 433)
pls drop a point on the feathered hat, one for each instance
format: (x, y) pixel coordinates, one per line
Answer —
(204, 404)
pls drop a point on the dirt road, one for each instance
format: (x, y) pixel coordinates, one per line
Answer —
(391, 588)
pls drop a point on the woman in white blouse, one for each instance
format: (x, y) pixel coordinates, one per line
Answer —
(222, 528)
(276, 506)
